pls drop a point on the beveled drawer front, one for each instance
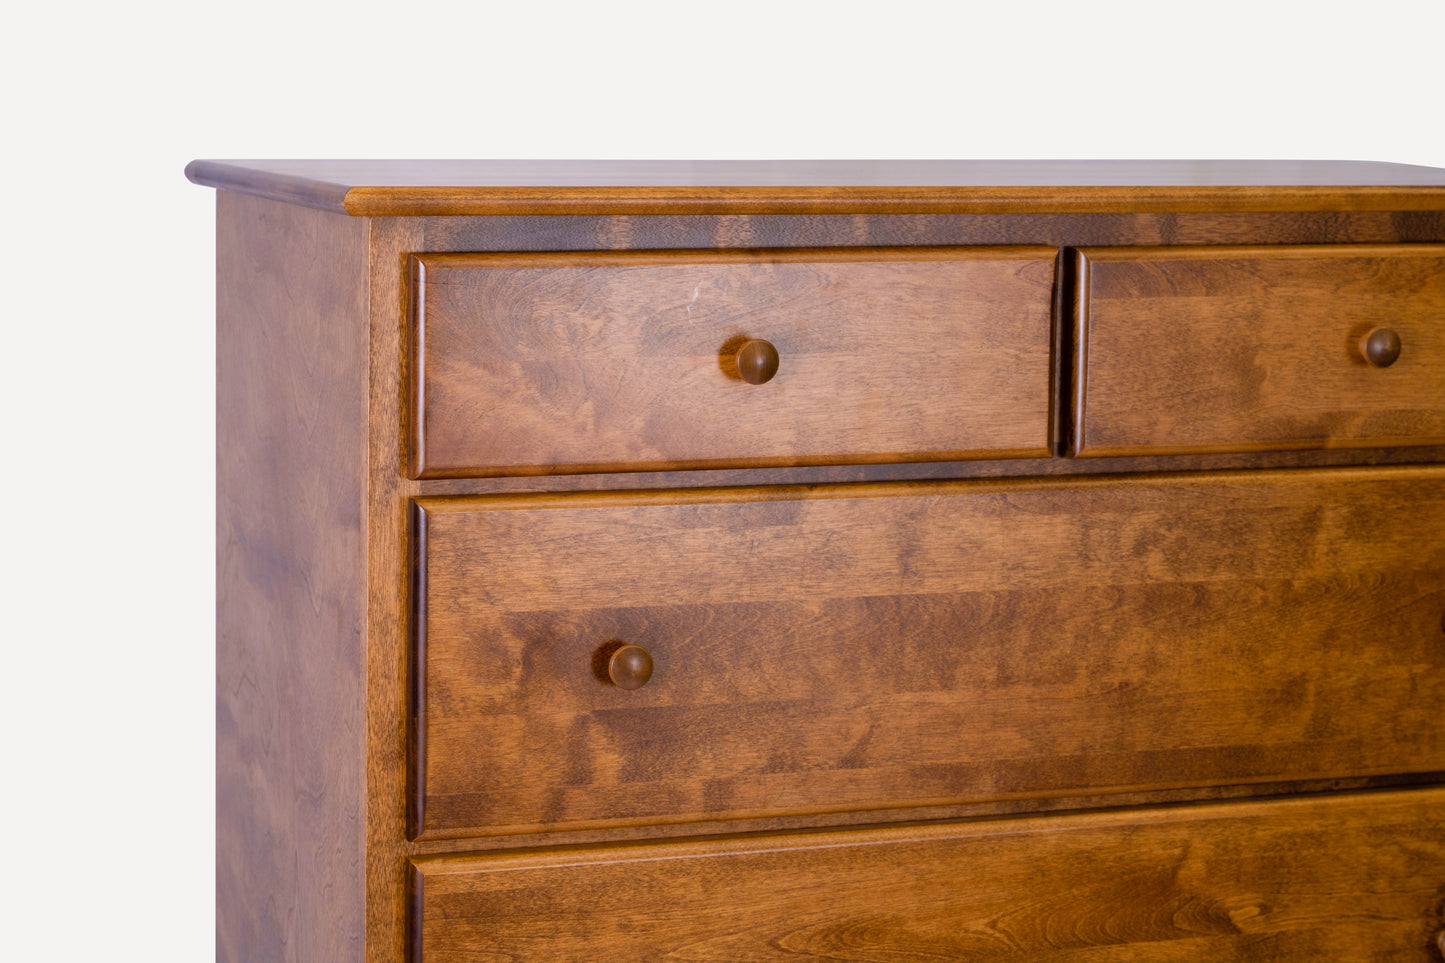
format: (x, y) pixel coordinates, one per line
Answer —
(539, 363)
(860, 647)
(1350, 878)
(1205, 349)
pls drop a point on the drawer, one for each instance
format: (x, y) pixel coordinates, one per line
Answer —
(540, 363)
(1211, 349)
(881, 646)
(1347, 878)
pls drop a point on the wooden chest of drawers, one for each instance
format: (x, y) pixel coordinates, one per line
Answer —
(830, 561)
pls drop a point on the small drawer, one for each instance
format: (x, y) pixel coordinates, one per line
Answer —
(886, 646)
(1352, 877)
(630, 361)
(1212, 349)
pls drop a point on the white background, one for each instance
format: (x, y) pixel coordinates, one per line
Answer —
(108, 337)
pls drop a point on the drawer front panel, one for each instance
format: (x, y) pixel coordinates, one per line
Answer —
(1352, 878)
(894, 645)
(1183, 350)
(538, 363)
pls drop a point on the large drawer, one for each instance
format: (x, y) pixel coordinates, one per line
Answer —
(1349, 879)
(860, 647)
(538, 363)
(1206, 349)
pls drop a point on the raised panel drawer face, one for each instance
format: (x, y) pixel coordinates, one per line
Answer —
(870, 647)
(540, 363)
(1350, 878)
(1183, 350)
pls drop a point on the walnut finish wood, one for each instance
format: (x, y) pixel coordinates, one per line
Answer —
(1352, 879)
(1187, 350)
(531, 364)
(290, 586)
(390, 574)
(287, 878)
(409, 188)
(921, 644)
(393, 239)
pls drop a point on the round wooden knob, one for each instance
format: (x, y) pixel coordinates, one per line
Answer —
(757, 362)
(630, 667)
(1381, 347)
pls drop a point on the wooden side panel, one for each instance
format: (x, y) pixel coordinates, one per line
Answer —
(1247, 349)
(291, 436)
(1350, 879)
(861, 647)
(529, 364)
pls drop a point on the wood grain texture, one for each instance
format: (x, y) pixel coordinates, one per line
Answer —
(388, 587)
(530, 364)
(1240, 349)
(291, 441)
(288, 796)
(480, 187)
(1351, 879)
(388, 850)
(919, 644)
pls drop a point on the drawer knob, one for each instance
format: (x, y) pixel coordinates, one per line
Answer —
(757, 362)
(630, 667)
(1381, 347)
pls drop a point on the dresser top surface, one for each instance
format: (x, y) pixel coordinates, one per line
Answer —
(524, 187)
